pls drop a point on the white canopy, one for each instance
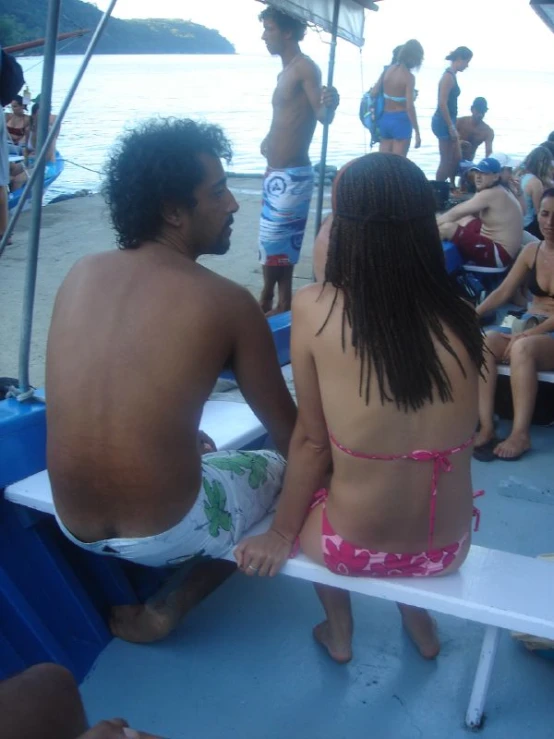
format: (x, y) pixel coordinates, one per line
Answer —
(545, 9)
(320, 12)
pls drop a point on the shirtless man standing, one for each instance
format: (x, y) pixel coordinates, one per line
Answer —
(488, 228)
(138, 338)
(473, 131)
(299, 101)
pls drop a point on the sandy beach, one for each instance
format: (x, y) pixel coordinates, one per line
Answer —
(73, 228)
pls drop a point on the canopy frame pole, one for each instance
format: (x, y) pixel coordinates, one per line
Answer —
(325, 138)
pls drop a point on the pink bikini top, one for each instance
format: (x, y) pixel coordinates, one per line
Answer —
(441, 463)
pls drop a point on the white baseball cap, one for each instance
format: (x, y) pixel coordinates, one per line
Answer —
(505, 160)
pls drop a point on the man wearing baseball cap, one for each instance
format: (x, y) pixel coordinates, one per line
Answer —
(487, 228)
(473, 131)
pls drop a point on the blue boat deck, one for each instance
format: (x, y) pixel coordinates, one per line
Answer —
(243, 665)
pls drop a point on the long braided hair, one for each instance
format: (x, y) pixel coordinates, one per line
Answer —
(386, 258)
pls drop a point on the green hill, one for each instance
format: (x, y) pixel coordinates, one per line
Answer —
(25, 20)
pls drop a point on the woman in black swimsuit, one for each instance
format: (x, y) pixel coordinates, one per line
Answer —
(443, 123)
(528, 352)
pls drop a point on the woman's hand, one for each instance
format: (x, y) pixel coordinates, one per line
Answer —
(206, 445)
(263, 555)
(417, 143)
(453, 133)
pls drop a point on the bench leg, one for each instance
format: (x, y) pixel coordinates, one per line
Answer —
(474, 715)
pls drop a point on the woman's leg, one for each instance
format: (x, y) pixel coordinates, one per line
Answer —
(386, 146)
(401, 147)
(335, 633)
(528, 355)
(495, 345)
(444, 164)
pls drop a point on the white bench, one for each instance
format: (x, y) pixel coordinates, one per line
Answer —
(504, 369)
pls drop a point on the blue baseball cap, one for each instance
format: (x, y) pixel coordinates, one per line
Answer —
(488, 165)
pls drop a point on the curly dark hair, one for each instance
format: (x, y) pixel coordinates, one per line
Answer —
(154, 164)
(285, 22)
(386, 258)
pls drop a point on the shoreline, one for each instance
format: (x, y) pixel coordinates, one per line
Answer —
(76, 226)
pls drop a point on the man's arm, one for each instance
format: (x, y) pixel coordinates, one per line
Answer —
(488, 141)
(258, 374)
(468, 208)
(324, 101)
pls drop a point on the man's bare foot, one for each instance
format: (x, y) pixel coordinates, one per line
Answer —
(276, 311)
(156, 619)
(421, 629)
(513, 447)
(266, 302)
(338, 644)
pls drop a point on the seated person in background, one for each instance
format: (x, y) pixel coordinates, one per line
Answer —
(536, 175)
(388, 510)
(473, 131)
(487, 229)
(138, 338)
(18, 175)
(17, 125)
(30, 144)
(527, 352)
(508, 178)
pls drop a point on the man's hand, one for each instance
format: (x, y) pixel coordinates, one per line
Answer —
(117, 728)
(330, 98)
(263, 555)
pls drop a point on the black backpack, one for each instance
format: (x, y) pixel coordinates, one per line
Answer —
(11, 78)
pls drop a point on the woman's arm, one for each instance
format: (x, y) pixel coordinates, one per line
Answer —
(535, 189)
(309, 457)
(445, 85)
(509, 285)
(410, 108)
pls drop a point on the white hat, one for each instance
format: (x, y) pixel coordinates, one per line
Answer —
(505, 160)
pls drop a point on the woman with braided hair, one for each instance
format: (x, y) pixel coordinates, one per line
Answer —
(386, 362)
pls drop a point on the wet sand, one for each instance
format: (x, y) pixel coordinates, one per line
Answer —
(73, 228)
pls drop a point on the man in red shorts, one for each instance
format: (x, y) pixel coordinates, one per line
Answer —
(488, 228)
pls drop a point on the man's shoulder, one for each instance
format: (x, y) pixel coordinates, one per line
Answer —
(307, 66)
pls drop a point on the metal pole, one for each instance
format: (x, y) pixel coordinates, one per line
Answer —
(322, 163)
(52, 23)
(58, 122)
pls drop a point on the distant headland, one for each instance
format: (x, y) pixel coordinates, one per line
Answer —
(25, 20)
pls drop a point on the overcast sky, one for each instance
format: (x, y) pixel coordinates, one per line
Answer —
(501, 33)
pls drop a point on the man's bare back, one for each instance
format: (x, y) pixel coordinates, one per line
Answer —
(472, 134)
(137, 340)
(501, 219)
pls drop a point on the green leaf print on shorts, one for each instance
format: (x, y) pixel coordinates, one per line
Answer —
(241, 462)
(214, 508)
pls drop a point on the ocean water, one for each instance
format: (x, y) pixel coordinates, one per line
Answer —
(235, 92)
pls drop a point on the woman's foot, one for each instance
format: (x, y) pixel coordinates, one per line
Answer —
(483, 436)
(337, 641)
(513, 447)
(144, 623)
(421, 629)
